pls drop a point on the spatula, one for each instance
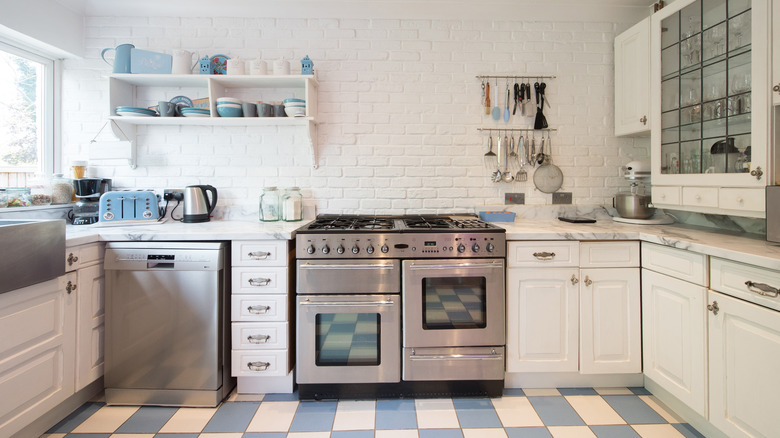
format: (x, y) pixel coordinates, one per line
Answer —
(506, 109)
(496, 109)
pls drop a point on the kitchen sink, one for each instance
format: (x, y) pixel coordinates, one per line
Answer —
(32, 251)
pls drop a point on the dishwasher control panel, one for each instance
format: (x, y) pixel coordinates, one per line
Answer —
(158, 259)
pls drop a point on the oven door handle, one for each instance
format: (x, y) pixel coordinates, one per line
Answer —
(347, 303)
(345, 267)
(456, 357)
(458, 266)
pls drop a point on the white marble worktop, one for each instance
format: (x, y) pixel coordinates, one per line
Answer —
(746, 248)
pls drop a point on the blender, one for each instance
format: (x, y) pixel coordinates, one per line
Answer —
(88, 190)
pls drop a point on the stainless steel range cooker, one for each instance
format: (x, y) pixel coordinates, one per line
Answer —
(400, 305)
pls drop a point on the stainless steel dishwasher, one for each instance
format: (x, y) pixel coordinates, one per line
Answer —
(167, 314)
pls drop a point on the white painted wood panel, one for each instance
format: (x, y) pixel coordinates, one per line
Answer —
(543, 253)
(678, 263)
(259, 253)
(621, 254)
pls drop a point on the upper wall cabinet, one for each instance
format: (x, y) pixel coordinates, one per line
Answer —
(632, 80)
(710, 126)
(776, 53)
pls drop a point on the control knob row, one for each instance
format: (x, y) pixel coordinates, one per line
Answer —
(475, 247)
(340, 249)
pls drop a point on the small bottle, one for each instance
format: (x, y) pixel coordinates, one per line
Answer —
(292, 205)
(269, 205)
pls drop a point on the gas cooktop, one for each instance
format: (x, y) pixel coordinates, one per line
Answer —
(408, 223)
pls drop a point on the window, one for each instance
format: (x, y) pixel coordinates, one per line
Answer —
(26, 115)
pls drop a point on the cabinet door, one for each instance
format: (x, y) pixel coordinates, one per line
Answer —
(90, 326)
(37, 348)
(744, 341)
(674, 337)
(776, 53)
(632, 80)
(542, 320)
(610, 328)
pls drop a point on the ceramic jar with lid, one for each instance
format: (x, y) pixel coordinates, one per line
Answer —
(292, 204)
(270, 207)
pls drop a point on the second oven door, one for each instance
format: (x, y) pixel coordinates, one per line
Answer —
(348, 339)
(453, 303)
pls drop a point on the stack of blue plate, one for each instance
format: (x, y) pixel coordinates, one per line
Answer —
(195, 112)
(135, 111)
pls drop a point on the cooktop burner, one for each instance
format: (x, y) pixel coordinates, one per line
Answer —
(351, 223)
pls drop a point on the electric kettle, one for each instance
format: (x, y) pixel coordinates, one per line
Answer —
(197, 206)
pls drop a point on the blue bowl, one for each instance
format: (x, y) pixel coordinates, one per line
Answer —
(226, 111)
(291, 100)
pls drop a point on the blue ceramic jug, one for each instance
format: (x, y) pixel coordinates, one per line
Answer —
(121, 57)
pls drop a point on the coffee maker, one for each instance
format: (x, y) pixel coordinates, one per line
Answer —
(88, 191)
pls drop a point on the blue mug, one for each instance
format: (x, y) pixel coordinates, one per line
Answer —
(121, 57)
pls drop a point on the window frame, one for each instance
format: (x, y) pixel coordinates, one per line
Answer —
(51, 152)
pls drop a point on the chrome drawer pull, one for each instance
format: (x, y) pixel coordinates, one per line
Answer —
(258, 339)
(258, 366)
(346, 267)
(259, 255)
(762, 289)
(259, 281)
(456, 357)
(458, 266)
(258, 310)
(544, 255)
(347, 303)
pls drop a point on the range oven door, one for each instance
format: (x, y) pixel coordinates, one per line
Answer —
(453, 303)
(348, 339)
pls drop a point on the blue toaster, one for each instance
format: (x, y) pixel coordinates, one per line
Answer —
(129, 205)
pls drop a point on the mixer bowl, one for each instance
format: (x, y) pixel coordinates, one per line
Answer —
(633, 206)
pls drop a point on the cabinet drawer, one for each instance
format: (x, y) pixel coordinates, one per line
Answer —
(271, 280)
(84, 255)
(665, 195)
(700, 196)
(609, 254)
(745, 281)
(259, 253)
(559, 253)
(259, 335)
(740, 198)
(247, 363)
(677, 263)
(259, 308)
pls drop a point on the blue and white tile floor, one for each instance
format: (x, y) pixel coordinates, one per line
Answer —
(529, 413)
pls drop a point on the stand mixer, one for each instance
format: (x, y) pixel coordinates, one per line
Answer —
(635, 207)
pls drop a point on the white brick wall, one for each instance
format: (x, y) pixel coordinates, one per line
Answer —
(399, 110)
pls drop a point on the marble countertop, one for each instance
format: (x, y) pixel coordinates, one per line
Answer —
(746, 248)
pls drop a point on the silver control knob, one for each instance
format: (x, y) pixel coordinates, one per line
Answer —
(310, 249)
(340, 249)
(355, 249)
(490, 247)
(370, 249)
(461, 248)
(384, 249)
(325, 249)
(475, 248)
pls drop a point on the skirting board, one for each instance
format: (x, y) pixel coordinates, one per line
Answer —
(266, 385)
(571, 380)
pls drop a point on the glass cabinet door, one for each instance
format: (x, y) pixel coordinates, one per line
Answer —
(706, 88)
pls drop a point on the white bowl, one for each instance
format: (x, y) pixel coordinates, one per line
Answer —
(228, 105)
(295, 112)
(229, 100)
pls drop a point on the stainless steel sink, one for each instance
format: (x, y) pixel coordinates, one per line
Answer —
(31, 251)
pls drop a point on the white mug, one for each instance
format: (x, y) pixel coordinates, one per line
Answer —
(281, 67)
(258, 67)
(182, 62)
(235, 67)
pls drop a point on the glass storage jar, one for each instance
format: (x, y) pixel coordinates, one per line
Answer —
(292, 204)
(41, 190)
(19, 196)
(269, 205)
(61, 189)
(3, 199)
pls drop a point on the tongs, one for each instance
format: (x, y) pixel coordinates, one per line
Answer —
(541, 121)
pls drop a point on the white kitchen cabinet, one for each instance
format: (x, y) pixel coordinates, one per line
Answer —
(37, 350)
(632, 80)
(744, 350)
(674, 337)
(775, 53)
(145, 90)
(710, 123)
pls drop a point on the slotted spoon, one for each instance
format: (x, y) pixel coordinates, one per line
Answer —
(491, 159)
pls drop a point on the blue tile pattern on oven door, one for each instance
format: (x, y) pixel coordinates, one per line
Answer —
(555, 411)
(577, 391)
(232, 417)
(527, 432)
(476, 412)
(633, 409)
(440, 433)
(314, 416)
(75, 418)
(347, 338)
(395, 414)
(616, 431)
(147, 419)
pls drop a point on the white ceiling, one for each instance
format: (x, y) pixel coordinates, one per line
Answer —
(564, 10)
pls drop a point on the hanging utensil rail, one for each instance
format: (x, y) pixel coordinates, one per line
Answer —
(517, 129)
(528, 77)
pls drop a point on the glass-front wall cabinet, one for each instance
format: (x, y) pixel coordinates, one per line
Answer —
(706, 88)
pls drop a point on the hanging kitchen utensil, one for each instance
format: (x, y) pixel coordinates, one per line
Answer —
(490, 156)
(482, 101)
(512, 152)
(548, 178)
(496, 109)
(532, 153)
(487, 98)
(498, 175)
(522, 99)
(518, 97)
(506, 175)
(541, 121)
(542, 90)
(506, 107)
(522, 175)
(540, 157)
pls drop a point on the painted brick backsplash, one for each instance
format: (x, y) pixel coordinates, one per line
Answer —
(399, 108)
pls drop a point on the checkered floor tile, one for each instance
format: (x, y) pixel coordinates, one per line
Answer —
(531, 413)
